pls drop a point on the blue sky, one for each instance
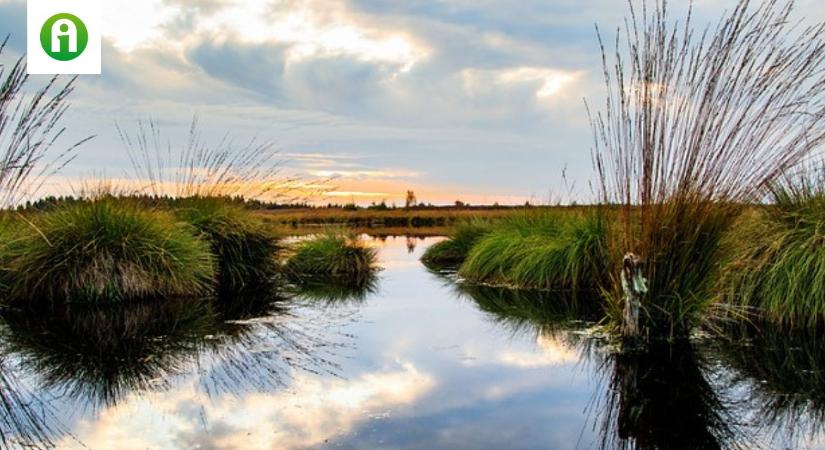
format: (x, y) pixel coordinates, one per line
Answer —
(477, 100)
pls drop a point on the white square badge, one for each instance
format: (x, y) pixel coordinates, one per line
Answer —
(63, 36)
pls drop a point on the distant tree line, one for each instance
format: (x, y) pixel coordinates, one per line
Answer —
(51, 202)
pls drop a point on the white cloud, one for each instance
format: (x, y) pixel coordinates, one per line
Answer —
(482, 97)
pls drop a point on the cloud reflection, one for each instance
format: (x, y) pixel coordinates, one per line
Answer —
(313, 411)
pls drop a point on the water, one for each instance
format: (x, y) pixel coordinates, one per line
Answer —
(413, 361)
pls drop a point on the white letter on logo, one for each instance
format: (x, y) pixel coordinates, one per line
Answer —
(64, 27)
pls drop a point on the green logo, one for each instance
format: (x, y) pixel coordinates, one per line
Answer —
(64, 37)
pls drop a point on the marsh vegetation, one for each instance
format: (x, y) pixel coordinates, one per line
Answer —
(692, 150)
(702, 152)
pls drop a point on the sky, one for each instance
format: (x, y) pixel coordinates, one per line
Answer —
(474, 100)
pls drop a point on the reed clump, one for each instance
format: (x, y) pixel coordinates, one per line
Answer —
(333, 255)
(694, 126)
(105, 250)
(559, 250)
(454, 250)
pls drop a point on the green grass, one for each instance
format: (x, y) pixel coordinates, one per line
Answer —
(245, 248)
(104, 250)
(454, 250)
(777, 257)
(332, 255)
(548, 250)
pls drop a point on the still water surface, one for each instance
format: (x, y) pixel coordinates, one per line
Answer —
(415, 361)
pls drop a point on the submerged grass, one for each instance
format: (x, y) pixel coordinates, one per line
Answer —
(333, 255)
(454, 250)
(104, 250)
(550, 250)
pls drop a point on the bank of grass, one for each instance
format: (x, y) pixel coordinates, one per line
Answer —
(558, 250)
(332, 255)
(104, 250)
(454, 250)
(777, 255)
(398, 218)
(245, 248)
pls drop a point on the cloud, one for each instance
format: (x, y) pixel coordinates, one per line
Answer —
(362, 174)
(482, 99)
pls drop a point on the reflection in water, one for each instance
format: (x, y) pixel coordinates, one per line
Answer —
(554, 318)
(549, 312)
(337, 292)
(663, 398)
(25, 420)
(99, 355)
(784, 374)
(412, 242)
(430, 372)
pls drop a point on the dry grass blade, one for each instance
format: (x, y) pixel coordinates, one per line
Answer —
(228, 169)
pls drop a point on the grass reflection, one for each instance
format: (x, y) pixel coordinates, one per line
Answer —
(783, 372)
(100, 355)
(664, 398)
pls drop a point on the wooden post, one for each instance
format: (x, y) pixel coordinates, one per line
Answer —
(634, 285)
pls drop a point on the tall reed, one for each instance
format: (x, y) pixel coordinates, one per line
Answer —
(200, 178)
(198, 168)
(695, 123)
(29, 129)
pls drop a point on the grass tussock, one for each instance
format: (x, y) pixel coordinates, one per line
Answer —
(552, 250)
(245, 248)
(105, 250)
(332, 255)
(777, 256)
(454, 250)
